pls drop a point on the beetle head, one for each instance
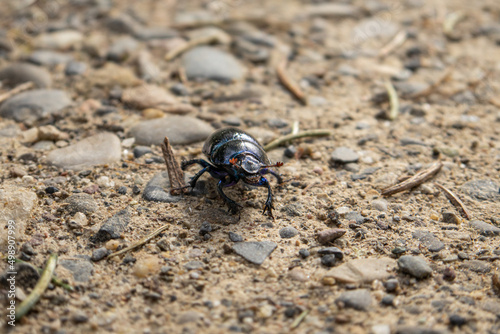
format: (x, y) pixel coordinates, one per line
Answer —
(251, 167)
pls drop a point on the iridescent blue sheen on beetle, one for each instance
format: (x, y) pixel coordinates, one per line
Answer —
(235, 155)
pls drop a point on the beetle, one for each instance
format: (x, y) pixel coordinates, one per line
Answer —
(234, 155)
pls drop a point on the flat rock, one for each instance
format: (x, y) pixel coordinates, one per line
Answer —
(344, 155)
(359, 271)
(357, 299)
(34, 105)
(288, 232)
(484, 228)
(429, 240)
(147, 96)
(81, 268)
(81, 202)
(49, 58)
(254, 251)
(208, 63)
(113, 227)
(477, 266)
(16, 206)
(155, 190)
(58, 40)
(18, 73)
(180, 130)
(482, 190)
(415, 266)
(103, 148)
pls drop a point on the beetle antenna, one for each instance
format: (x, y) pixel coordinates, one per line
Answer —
(278, 164)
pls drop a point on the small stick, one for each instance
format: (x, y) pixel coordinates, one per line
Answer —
(175, 174)
(311, 133)
(432, 88)
(55, 280)
(299, 319)
(449, 24)
(140, 242)
(393, 101)
(39, 288)
(189, 45)
(414, 181)
(455, 201)
(289, 83)
(396, 42)
(16, 90)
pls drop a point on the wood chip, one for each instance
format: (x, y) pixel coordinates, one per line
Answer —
(454, 200)
(175, 173)
(327, 236)
(414, 181)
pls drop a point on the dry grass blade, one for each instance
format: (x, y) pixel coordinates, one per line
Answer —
(282, 140)
(189, 45)
(55, 280)
(455, 201)
(433, 87)
(140, 242)
(299, 319)
(396, 42)
(393, 100)
(414, 181)
(39, 288)
(289, 83)
(16, 90)
(175, 174)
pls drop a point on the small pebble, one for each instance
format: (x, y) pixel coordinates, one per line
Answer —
(329, 260)
(234, 237)
(99, 254)
(288, 232)
(304, 253)
(145, 267)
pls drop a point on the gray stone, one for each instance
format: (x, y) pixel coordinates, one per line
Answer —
(189, 317)
(99, 254)
(149, 33)
(477, 266)
(10, 130)
(360, 271)
(81, 268)
(139, 151)
(429, 240)
(114, 227)
(288, 232)
(419, 330)
(292, 209)
(235, 237)
(18, 73)
(344, 155)
(180, 130)
(49, 58)
(155, 190)
(81, 202)
(194, 265)
(415, 266)
(34, 105)
(357, 299)
(482, 190)
(75, 68)
(121, 49)
(356, 216)
(100, 149)
(255, 252)
(206, 62)
(379, 205)
(485, 228)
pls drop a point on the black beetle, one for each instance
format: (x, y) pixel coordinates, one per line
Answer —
(235, 155)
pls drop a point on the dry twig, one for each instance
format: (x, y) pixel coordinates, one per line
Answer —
(414, 181)
(140, 242)
(289, 83)
(455, 201)
(311, 133)
(175, 174)
(396, 42)
(16, 90)
(39, 288)
(191, 44)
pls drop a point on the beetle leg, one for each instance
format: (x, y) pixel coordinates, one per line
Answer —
(194, 179)
(201, 162)
(273, 173)
(269, 202)
(233, 206)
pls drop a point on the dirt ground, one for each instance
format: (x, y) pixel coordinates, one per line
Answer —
(190, 278)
